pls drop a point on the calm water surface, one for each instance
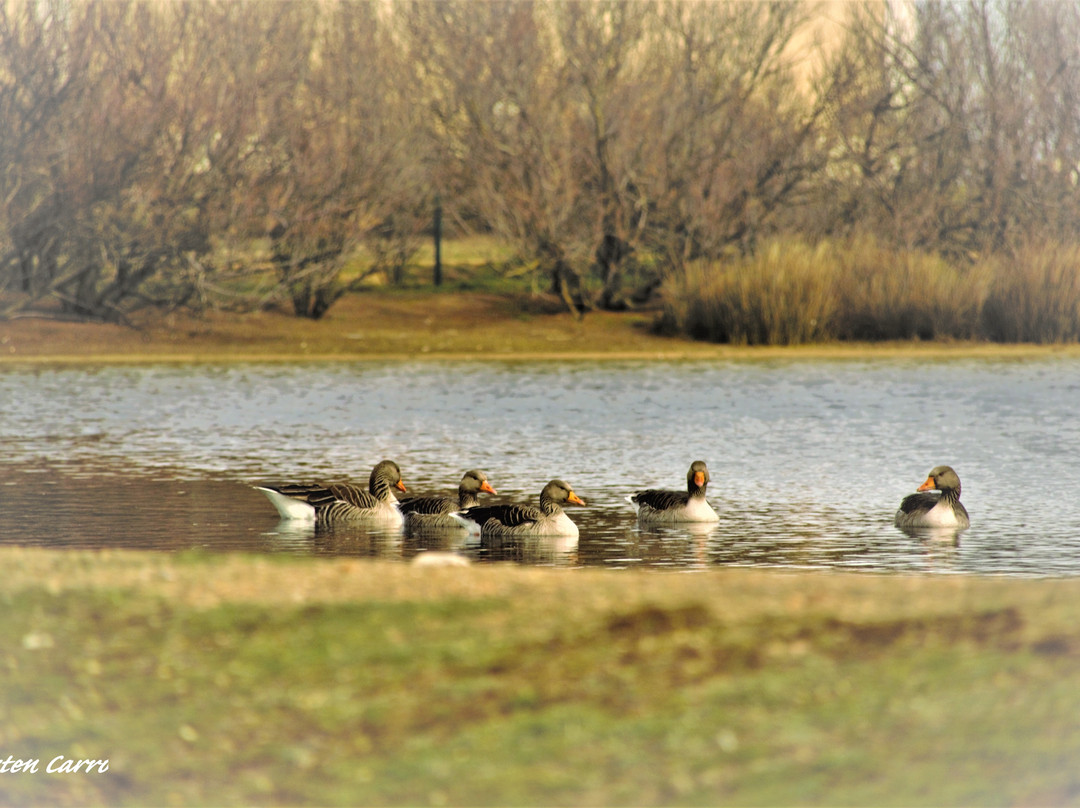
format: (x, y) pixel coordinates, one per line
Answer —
(809, 459)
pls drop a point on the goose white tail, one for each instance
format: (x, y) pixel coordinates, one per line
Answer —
(465, 522)
(288, 507)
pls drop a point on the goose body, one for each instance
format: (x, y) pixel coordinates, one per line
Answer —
(436, 513)
(338, 503)
(657, 506)
(549, 519)
(927, 509)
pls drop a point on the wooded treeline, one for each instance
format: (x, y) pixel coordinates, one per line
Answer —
(144, 146)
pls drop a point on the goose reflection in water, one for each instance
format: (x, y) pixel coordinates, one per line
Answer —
(433, 539)
(686, 544)
(524, 549)
(936, 535)
(361, 541)
(293, 535)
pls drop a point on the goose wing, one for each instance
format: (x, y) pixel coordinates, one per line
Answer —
(343, 492)
(301, 491)
(317, 495)
(660, 500)
(508, 515)
(919, 503)
(321, 494)
(436, 506)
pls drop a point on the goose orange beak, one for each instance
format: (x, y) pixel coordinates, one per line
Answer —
(487, 488)
(928, 485)
(575, 499)
(401, 486)
(699, 478)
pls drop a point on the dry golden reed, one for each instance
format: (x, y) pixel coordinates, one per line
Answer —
(1035, 296)
(791, 293)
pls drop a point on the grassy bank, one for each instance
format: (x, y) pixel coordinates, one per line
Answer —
(229, 680)
(791, 293)
(838, 298)
(426, 325)
(378, 324)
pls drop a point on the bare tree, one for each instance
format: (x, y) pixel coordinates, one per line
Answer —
(499, 115)
(592, 130)
(610, 142)
(330, 164)
(106, 188)
(958, 124)
(736, 135)
(134, 131)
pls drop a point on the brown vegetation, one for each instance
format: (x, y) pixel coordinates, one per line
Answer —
(791, 293)
(416, 325)
(147, 147)
(375, 325)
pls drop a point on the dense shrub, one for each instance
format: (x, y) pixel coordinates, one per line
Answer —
(904, 294)
(784, 295)
(791, 293)
(1034, 296)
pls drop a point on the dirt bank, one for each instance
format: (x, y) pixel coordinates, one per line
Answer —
(460, 325)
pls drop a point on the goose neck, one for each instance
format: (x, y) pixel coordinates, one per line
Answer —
(380, 489)
(549, 506)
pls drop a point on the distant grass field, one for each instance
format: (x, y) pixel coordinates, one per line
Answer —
(210, 680)
(475, 263)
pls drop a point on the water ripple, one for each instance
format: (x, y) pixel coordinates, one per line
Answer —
(808, 459)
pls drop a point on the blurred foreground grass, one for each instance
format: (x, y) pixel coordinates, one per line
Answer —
(231, 680)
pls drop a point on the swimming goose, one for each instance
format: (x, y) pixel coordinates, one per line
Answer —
(342, 502)
(435, 512)
(924, 509)
(655, 506)
(526, 520)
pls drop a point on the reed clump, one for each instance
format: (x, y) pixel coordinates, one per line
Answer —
(782, 295)
(1034, 296)
(904, 294)
(791, 293)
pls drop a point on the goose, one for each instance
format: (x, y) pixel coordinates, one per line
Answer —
(328, 503)
(924, 509)
(435, 512)
(526, 520)
(656, 506)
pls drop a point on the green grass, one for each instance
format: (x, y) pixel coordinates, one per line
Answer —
(473, 263)
(501, 686)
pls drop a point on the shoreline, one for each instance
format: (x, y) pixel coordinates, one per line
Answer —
(433, 327)
(930, 351)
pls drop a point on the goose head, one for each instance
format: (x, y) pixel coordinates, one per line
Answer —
(697, 477)
(558, 492)
(386, 475)
(943, 479)
(474, 482)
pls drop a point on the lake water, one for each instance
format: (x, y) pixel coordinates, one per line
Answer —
(809, 459)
